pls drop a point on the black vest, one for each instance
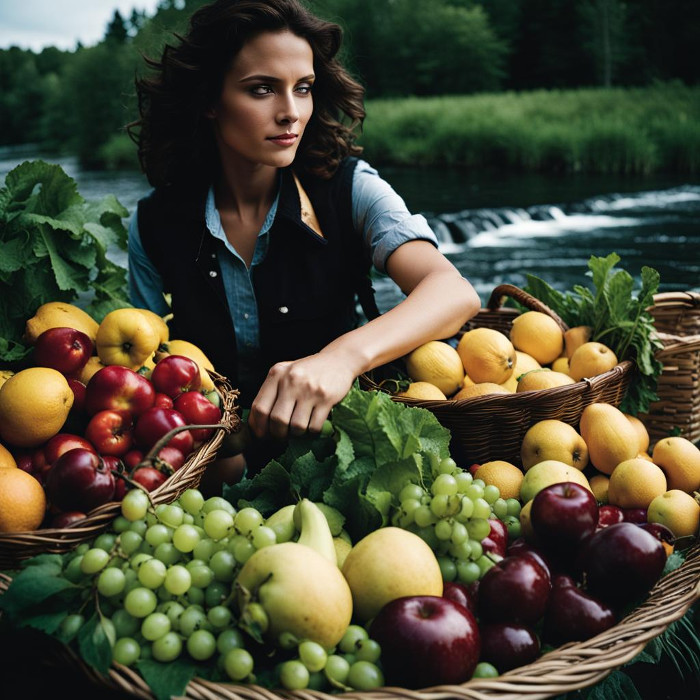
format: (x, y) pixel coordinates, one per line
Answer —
(305, 288)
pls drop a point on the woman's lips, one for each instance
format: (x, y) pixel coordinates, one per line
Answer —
(284, 139)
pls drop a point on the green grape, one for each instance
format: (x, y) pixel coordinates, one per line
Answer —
(438, 505)
(238, 664)
(468, 571)
(461, 551)
(219, 616)
(478, 528)
(368, 650)
(447, 466)
(185, 538)
(411, 492)
(201, 645)
(94, 560)
(81, 548)
(130, 541)
(474, 490)
(513, 526)
(353, 634)
(215, 593)
(140, 602)
(139, 526)
(241, 548)
(423, 516)
(201, 575)
(111, 581)
(247, 520)
(459, 533)
(125, 624)
(317, 681)
(204, 549)
(229, 638)
(443, 529)
(444, 485)
(105, 541)
(218, 524)
(463, 479)
(155, 625)
(500, 508)
(188, 519)
(466, 509)
(127, 651)
(195, 596)
(173, 609)
(482, 509)
(410, 505)
(146, 548)
(364, 675)
(167, 648)
(171, 515)
(491, 493)
(336, 670)
(484, 563)
(294, 675)
(191, 501)
(120, 524)
(168, 553)
(312, 655)
(177, 579)
(223, 564)
(108, 629)
(485, 670)
(427, 534)
(158, 533)
(193, 618)
(74, 571)
(448, 570)
(218, 503)
(135, 504)
(476, 549)
(263, 537)
(70, 626)
(479, 482)
(151, 573)
(514, 506)
(287, 640)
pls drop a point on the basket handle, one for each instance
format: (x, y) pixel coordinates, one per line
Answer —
(522, 297)
(690, 299)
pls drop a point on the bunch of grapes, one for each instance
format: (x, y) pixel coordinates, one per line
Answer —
(452, 516)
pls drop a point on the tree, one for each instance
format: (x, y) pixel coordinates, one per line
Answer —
(116, 29)
(606, 38)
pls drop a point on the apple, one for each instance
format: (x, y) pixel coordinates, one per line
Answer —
(563, 515)
(460, 593)
(64, 349)
(170, 456)
(175, 374)
(111, 432)
(163, 400)
(515, 589)
(79, 390)
(197, 409)
(62, 442)
(620, 563)
(64, 519)
(473, 468)
(24, 461)
(496, 542)
(573, 615)
(634, 515)
(662, 533)
(521, 545)
(154, 423)
(149, 477)
(132, 458)
(508, 645)
(426, 641)
(120, 388)
(117, 467)
(609, 515)
(79, 480)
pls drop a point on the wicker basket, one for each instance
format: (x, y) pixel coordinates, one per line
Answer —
(18, 546)
(677, 320)
(492, 426)
(566, 669)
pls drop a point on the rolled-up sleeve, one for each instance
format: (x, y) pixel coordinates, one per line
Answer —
(381, 215)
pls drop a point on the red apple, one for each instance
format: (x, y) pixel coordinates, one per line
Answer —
(198, 410)
(473, 469)
(508, 645)
(163, 400)
(117, 466)
(64, 519)
(119, 388)
(79, 480)
(515, 589)
(155, 423)
(175, 374)
(662, 533)
(609, 515)
(170, 456)
(64, 349)
(62, 442)
(149, 477)
(634, 515)
(460, 593)
(496, 541)
(132, 458)
(79, 391)
(111, 432)
(425, 641)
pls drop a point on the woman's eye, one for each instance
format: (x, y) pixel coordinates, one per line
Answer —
(261, 90)
(304, 89)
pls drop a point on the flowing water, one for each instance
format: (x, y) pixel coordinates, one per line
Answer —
(498, 228)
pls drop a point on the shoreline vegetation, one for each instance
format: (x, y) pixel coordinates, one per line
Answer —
(628, 131)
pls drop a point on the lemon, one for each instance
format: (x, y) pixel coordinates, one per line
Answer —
(504, 475)
(438, 363)
(634, 483)
(539, 335)
(677, 510)
(422, 390)
(34, 405)
(59, 314)
(487, 355)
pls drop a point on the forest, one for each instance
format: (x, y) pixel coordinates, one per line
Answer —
(80, 101)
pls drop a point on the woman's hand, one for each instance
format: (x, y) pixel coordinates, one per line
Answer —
(297, 396)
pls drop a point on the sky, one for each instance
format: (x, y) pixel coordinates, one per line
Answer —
(34, 24)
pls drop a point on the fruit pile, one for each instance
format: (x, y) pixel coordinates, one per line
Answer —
(101, 408)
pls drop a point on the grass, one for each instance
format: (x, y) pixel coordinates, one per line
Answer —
(623, 131)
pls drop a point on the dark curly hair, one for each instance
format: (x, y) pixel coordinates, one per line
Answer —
(175, 140)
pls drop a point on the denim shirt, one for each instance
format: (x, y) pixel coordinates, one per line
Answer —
(378, 212)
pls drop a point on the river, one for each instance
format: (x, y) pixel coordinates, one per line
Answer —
(497, 228)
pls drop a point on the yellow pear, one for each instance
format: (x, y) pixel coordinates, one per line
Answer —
(641, 432)
(575, 337)
(610, 437)
(546, 473)
(545, 378)
(553, 439)
(59, 314)
(679, 459)
(591, 359)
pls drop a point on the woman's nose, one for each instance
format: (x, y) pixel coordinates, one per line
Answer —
(289, 113)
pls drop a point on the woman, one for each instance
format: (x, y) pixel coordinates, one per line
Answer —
(263, 223)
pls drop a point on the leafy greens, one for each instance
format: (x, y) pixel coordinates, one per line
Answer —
(54, 248)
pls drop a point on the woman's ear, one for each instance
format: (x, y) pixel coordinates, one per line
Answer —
(210, 113)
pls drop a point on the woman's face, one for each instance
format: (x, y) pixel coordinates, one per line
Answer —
(265, 101)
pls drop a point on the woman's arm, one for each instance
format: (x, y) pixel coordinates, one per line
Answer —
(298, 396)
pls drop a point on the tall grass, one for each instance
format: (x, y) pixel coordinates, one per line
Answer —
(636, 130)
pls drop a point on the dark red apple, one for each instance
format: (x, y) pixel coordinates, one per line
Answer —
(149, 477)
(634, 515)
(496, 542)
(119, 388)
(426, 641)
(508, 645)
(118, 468)
(154, 423)
(662, 533)
(64, 519)
(132, 458)
(515, 589)
(609, 515)
(25, 462)
(170, 456)
(198, 410)
(64, 349)
(79, 480)
(473, 468)
(563, 515)
(573, 615)
(79, 391)
(111, 432)
(163, 400)
(460, 593)
(62, 442)
(620, 563)
(175, 374)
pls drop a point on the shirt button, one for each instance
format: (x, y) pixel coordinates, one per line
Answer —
(246, 315)
(283, 310)
(212, 273)
(213, 255)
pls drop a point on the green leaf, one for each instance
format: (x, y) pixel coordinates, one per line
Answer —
(269, 490)
(167, 680)
(94, 644)
(32, 586)
(617, 686)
